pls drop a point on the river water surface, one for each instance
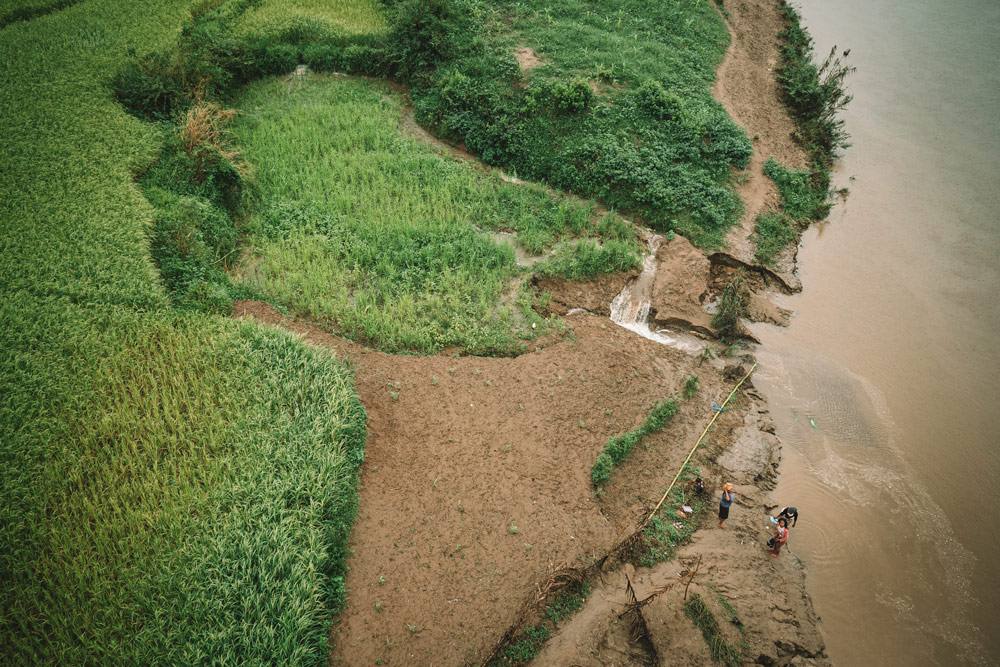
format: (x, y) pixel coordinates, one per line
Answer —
(885, 386)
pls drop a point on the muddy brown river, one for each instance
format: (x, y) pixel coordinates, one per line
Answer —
(884, 387)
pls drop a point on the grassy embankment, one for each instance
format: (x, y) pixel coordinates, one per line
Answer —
(651, 139)
(174, 487)
(813, 94)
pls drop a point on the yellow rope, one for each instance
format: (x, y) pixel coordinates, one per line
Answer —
(691, 453)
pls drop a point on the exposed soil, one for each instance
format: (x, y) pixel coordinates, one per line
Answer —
(476, 487)
(681, 286)
(476, 480)
(527, 58)
(593, 296)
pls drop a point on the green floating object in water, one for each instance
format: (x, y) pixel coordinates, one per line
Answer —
(813, 422)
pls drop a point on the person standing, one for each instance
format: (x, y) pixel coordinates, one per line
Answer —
(789, 514)
(725, 502)
(779, 539)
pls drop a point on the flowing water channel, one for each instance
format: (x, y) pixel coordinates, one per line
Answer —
(630, 309)
(884, 386)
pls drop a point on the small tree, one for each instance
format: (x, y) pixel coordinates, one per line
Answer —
(732, 306)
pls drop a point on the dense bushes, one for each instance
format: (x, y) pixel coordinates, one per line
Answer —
(653, 142)
(814, 95)
(804, 198)
(219, 51)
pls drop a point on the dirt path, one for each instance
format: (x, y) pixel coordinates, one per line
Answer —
(746, 86)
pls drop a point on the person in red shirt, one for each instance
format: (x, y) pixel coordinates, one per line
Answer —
(779, 539)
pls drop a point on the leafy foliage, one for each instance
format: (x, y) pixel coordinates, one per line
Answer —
(654, 141)
(618, 447)
(236, 41)
(814, 94)
(804, 198)
(690, 386)
(773, 230)
(732, 306)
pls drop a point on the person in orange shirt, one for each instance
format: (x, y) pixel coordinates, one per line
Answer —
(725, 502)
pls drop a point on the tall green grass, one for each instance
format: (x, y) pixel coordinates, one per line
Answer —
(651, 139)
(272, 18)
(183, 494)
(174, 488)
(358, 226)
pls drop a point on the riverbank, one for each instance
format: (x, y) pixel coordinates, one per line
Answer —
(476, 483)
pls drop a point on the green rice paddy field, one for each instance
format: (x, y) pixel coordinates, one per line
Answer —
(174, 487)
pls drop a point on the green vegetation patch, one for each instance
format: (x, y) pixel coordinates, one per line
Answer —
(184, 494)
(530, 639)
(278, 19)
(667, 530)
(357, 226)
(618, 447)
(701, 615)
(619, 106)
(800, 199)
(804, 198)
(814, 95)
(733, 305)
(174, 487)
(772, 231)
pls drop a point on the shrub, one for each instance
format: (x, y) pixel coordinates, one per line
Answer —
(732, 306)
(652, 97)
(152, 88)
(601, 472)
(427, 34)
(323, 57)
(815, 94)
(659, 416)
(691, 386)
(666, 155)
(573, 97)
(803, 196)
(773, 230)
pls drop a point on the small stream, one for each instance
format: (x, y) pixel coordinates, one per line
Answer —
(630, 309)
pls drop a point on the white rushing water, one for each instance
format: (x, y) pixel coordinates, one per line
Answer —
(630, 309)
